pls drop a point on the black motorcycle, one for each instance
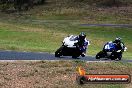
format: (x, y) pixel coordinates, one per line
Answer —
(110, 51)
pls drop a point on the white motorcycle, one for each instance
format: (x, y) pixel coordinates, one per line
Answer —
(69, 47)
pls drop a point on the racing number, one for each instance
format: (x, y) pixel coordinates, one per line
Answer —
(107, 47)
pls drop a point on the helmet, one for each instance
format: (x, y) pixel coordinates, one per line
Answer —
(118, 40)
(82, 36)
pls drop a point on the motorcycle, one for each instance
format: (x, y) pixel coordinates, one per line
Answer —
(110, 51)
(70, 47)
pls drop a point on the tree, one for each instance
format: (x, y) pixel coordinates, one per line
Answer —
(110, 2)
(23, 4)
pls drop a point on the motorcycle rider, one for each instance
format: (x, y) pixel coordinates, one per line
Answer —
(82, 42)
(120, 45)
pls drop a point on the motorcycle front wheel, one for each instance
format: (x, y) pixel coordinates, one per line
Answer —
(100, 55)
(59, 51)
(113, 56)
(119, 56)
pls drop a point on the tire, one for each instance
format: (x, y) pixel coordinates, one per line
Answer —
(113, 56)
(119, 56)
(58, 52)
(99, 55)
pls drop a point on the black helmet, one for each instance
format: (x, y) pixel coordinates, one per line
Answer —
(82, 36)
(118, 40)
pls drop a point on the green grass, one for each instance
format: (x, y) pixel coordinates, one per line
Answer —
(47, 36)
(28, 40)
(44, 29)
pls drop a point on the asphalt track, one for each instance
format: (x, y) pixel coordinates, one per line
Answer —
(15, 55)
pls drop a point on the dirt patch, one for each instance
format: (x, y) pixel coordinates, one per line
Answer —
(55, 74)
